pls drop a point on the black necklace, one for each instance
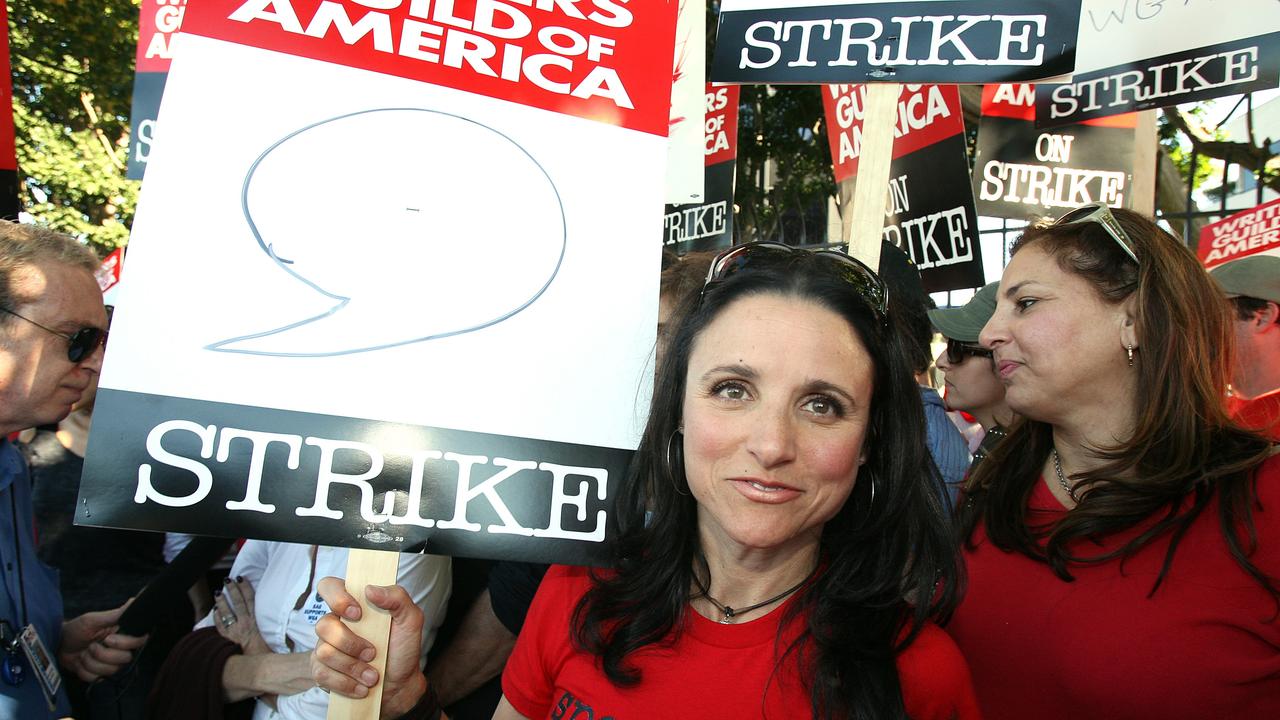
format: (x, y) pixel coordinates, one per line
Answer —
(729, 613)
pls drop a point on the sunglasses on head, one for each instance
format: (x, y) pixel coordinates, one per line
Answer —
(957, 351)
(81, 343)
(865, 282)
(1101, 214)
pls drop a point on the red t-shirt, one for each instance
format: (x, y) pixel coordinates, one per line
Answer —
(1205, 645)
(708, 671)
(1261, 413)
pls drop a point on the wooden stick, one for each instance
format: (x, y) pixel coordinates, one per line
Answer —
(1142, 193)
(367, 567)
(872, 181)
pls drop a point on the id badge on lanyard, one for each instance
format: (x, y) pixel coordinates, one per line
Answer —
(38, 657)
(43, 663)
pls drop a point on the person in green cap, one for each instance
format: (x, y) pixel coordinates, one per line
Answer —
(971, 382)
(1252, 285)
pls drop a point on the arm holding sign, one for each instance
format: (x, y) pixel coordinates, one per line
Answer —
(340, 660)
(92, 649)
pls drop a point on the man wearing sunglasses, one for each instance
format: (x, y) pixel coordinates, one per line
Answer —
(1252, 285)
(971, 382)
(52, 328)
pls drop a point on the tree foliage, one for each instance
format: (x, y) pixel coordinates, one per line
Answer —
(784, 165)
(72, 85)
(1178, 146)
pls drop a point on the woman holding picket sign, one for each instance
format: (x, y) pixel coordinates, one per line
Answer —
(780, 543)
(1123, 542)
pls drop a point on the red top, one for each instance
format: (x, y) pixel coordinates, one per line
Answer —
(1205, 645)
(1261, 413)
(709, 671)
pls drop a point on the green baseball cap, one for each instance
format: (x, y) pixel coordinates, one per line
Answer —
(965, 323)
(1256, 276)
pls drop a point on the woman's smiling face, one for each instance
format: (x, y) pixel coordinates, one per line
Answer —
(776, 408)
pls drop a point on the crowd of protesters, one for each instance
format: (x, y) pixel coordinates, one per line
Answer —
(803, 531)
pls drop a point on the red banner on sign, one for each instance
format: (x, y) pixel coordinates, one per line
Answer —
(1253, 231)
(722, 123)
(8, 153)
(591, 59)
(158, 22)
(927, 114)
(108, 272)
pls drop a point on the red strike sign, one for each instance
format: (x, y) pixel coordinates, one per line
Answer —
(1253, 231)
(722, 123)
(108, 272)
(589, 58)
(8, 147)
(926, 114)
(158, 22)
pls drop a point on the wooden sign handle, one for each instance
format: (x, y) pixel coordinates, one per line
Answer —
(1142, 191)
(367, 567)
(871, 184)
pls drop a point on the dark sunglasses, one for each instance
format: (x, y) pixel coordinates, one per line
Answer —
(1101, 214)
(865, 282)
(82, 343)
(957, 351)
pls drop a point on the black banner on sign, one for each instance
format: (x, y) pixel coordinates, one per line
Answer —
(952, 41)
(704, 226)
(148, 87)
(931, 215)
(1022, 172)
(1208, 72)
(167, 463)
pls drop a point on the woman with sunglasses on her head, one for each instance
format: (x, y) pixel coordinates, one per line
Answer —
(970, 375)
(795, 550)
(1123, 543)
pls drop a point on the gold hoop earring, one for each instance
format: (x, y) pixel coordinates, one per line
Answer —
(1129, 349)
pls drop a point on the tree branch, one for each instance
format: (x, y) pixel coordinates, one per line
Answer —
(1245, 154)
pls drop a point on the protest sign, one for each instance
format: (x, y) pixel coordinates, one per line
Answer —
(941, 41)
(372, 299)
(929, 211)
(108, 272)
(1021, 172)
(1251, 232)
(9, 202)
(158, 22)
(708, 225)
(1141, 54)
(688, 80)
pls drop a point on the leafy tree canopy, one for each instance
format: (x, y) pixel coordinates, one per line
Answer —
(72, 85)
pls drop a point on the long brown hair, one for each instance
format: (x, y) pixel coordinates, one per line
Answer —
(1184, 448)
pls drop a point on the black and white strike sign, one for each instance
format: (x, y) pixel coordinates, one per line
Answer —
(939, 41)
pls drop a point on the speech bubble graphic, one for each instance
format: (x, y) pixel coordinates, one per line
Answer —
(409, 224)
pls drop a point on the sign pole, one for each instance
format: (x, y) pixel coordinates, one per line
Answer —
(367, 567)
(1143, 192)
(862, 233)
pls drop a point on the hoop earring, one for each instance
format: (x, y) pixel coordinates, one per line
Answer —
(672, 463)
(870, 479)
(1129, 349)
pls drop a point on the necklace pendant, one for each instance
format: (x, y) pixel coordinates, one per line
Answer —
(728, 616)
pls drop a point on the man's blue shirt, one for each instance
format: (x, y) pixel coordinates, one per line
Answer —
(40, 585)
